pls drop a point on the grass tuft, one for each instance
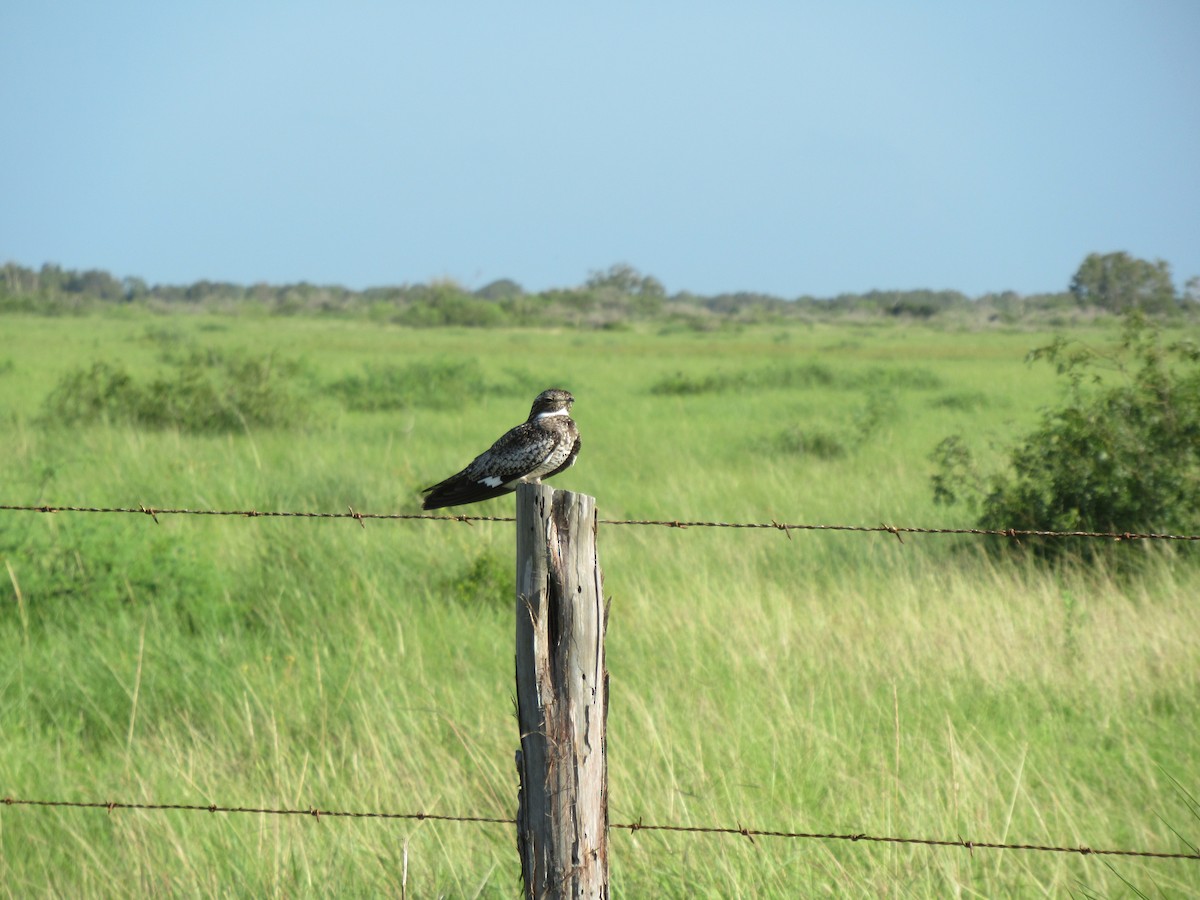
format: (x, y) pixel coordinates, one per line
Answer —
(425, 384)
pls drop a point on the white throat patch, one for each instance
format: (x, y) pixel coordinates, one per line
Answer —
(557, 412)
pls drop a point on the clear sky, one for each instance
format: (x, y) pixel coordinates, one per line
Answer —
(783, 147)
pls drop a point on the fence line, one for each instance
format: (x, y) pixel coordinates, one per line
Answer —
(739, 830)
(786, 527)
(632, 827)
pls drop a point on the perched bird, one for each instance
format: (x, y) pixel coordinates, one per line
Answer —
(543, 445)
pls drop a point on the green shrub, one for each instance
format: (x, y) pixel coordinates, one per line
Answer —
(104, 392)
(879, 409)
(441, 306)
(962, 401)
(1121, 456)
(812, 442)
(804, 376)
(955, 477)
(202, 393)
(864, 422)
(797, 377)
(904, 378)
(487, 580)
(221, 393)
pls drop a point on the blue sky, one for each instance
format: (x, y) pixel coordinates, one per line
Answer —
(783, 147)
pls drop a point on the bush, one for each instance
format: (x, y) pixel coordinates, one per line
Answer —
(487, 580)
(963, 401)
(442, 304)
(1114, 457)
(864, 423)
(85, 396)
(218, 394)
(816, 442)
(796, 377)
(202, 393)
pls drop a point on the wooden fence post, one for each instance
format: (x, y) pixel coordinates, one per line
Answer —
(562, 697)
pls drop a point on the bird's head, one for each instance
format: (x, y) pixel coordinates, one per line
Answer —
(554, 402)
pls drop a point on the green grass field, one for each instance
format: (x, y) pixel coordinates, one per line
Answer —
(823, 683)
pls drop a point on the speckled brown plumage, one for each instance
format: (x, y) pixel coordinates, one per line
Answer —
(540, 447)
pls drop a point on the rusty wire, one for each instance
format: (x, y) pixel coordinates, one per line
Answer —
(786, 527)
(632, 827)
(752, 833)
(312, 811)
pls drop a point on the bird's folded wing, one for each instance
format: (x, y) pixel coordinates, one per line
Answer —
(495, 472)
(518, 453)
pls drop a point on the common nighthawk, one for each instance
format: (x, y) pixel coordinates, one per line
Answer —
(543, 445)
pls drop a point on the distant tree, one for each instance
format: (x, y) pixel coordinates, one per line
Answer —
(135, 288)
(742, 302)
(94, 283)
(18, 279)
(651, 287)
(920, 304)
(199, 291)
(500, 289)
(445, 302)
(1049, 302)
(50, 277)
(625, 279)
(1191, 290)
(1118, 282)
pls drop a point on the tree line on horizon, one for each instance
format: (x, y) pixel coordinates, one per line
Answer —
(610, 298)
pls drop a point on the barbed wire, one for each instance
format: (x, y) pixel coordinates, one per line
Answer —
(786, 527)
(216, 808)
(752, 833)
(632, 827)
